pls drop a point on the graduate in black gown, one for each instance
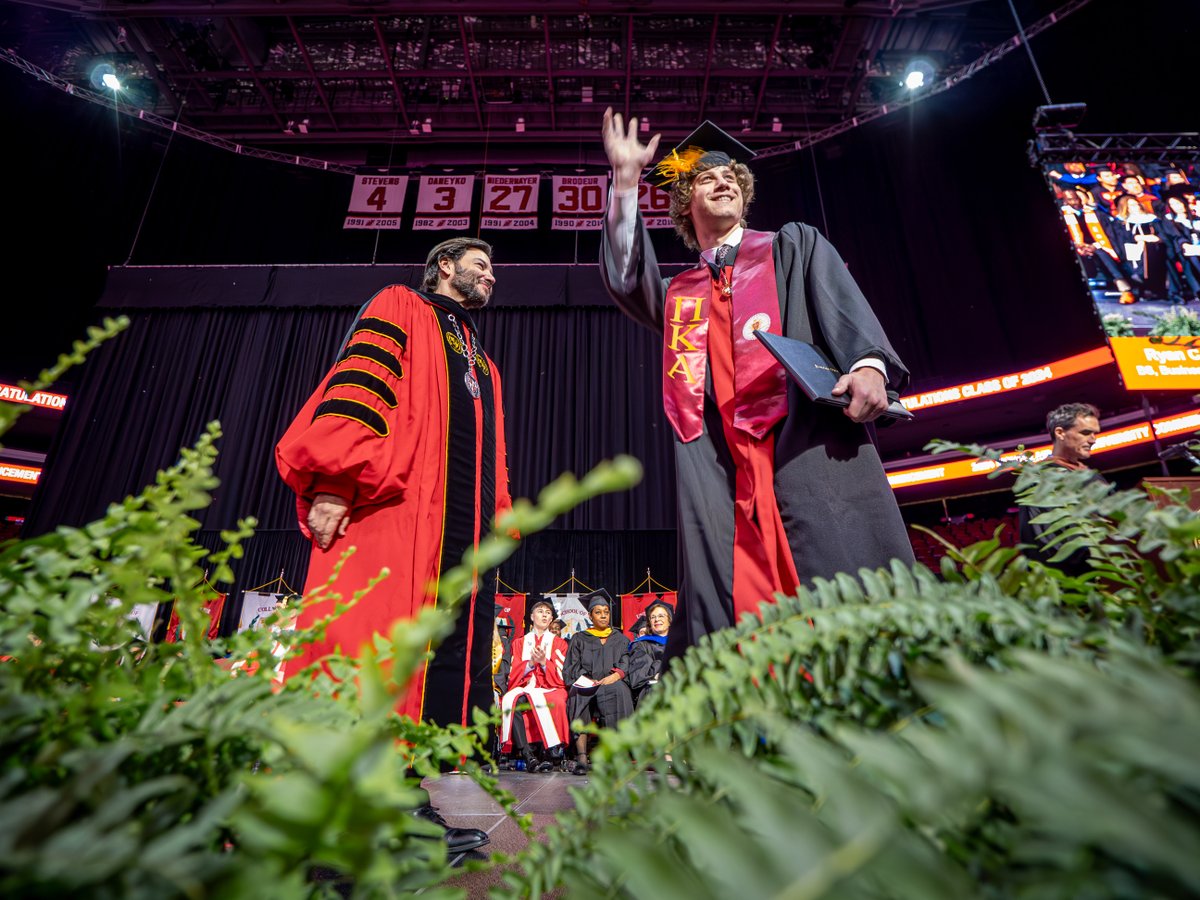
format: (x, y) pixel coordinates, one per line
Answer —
(600, 655)
(773, 489)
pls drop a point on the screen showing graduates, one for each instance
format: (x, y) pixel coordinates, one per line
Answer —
(1135, 230)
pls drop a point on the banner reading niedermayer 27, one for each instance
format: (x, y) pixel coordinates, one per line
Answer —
(444, 202)
(579, 202)
(376, 201)
(510, 202)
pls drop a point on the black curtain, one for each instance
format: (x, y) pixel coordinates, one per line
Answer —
(247, 345)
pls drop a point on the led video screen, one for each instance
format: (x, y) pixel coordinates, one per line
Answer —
(1135, 231)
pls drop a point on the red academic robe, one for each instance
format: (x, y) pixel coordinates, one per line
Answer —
(546, 723)
(394, 430)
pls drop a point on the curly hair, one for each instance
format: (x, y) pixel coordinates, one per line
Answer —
(681, 199)
(454, 249)
(1064, 416)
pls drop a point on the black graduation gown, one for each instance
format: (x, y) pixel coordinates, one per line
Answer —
(586, 655)
(645, 665)
(837, 508)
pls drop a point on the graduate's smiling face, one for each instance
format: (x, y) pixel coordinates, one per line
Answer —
(660, 622)
(716, 197)
(469, 280)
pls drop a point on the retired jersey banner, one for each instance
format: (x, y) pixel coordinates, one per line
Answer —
(579, 202)
(444, 202)
(655, 206)
(512, 607)
(376, 202)
(510, 202)
(257, 606)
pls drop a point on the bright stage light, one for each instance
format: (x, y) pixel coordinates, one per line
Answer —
(917, 74)
(104, 75)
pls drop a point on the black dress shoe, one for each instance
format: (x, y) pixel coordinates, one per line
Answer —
(458, 840)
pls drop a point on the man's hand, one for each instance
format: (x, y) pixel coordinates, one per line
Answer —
(627, 155)
(868, 393)
(327, 518)
(538, 656)
(610, 678)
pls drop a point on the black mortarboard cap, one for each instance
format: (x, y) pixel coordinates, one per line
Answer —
(664, 604)
(709, 145)
(595, 598)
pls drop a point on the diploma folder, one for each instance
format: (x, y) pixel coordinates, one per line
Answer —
(815, 374)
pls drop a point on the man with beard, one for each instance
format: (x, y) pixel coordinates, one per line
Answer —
(400, 454)
(773, 490)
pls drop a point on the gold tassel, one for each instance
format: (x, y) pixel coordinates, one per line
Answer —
(676, 165)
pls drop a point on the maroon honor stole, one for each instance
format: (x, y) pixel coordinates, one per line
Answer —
(759, 381)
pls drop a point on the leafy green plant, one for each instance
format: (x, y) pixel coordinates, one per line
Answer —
(1117, 325)
(1177, 321)
(999, 729)
(133, 769)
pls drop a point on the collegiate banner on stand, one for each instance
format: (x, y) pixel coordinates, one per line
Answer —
(579, 202)
(633, 605)
(655, 205)
(513, 607)
(212, 608)
(570, 610)
(376, 202)
(444, 202)
(144, 614)
(510, 202)
(257, 606)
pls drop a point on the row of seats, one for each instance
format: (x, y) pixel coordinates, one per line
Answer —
(930, 551)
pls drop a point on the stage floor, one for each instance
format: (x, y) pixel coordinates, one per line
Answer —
(464, 804)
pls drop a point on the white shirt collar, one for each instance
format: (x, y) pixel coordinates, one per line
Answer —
(734, 240)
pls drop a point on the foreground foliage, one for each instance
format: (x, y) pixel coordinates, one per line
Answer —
(134, 769)
(998, 730)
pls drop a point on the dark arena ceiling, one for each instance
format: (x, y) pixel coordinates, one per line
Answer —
(341, 80)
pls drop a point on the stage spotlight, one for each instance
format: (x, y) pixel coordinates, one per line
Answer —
(644, 125)
(520, 124)
(917, 74)
(427, 126)
(776, 125)
(104, 75)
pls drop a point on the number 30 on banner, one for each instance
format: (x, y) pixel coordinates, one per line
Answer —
(580, 195)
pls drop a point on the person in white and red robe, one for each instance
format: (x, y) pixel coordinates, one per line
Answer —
(536, 677)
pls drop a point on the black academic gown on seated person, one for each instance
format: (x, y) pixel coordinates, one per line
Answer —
(837, 508)
(586, 655)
